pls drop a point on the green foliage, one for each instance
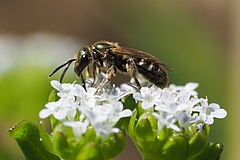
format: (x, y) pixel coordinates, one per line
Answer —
(168, 144)
(27, 136)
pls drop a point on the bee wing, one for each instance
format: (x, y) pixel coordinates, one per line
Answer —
(139, 54)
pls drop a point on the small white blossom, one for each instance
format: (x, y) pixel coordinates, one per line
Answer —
(79, 127)
(189, 87)
(147, 97)
(128, 87)
(61, 110)
(165, 119)
(104, 117)
(87, 99)
(207, 113)
(65, 89)
(113, 94)
(99, 122)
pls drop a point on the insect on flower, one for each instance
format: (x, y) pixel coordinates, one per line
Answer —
(109, 57)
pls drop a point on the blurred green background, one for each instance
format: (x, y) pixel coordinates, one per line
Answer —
(198, 39)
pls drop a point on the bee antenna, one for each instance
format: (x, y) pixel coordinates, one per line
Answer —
(68, 63)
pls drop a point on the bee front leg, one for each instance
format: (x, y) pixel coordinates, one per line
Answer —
(88, 75)
(110, 72)
(132, 70)
(94, 73)
(83, 82)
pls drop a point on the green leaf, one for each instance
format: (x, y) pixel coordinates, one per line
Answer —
(163, 134)
(197, 144)
(89, 152)
(113, 145)
(46, 138)
(60, 143)
(176, 148)
(53, 96)
(211, 152)
(54, 122)
(27, 136)
(150, 149)
(206, 129)
(129, 102)
(131, 126)
(144, 130)
(88, 136)
(140, 110)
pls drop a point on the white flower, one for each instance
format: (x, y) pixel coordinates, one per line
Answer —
(165, 119)
(65, 89)
(113, 111)
(147, 97)
(99, 122)
(128, 87)
(61, 110)
(79, 127)
(207, 113)
(104, 117)
(87, 99)
(189, 87)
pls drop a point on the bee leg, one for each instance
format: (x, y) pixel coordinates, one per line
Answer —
(132, 70)
(94, 73)
(110, 72)
(88, 72)
(83, 81)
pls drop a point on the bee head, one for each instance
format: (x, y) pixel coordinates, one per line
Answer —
(83, 58)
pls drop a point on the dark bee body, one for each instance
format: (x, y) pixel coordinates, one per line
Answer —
(151, 68)
(109, 58)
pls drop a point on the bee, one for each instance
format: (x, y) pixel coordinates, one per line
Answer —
(109, 57)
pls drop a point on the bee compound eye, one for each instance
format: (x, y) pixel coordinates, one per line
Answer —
(83, 60)
(84, 57)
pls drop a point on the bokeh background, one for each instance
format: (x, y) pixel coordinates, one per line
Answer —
(200, 40)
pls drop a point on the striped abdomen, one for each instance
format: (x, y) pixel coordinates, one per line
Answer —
(152, 71)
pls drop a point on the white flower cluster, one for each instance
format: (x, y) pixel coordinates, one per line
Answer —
(175, 107)
(178, 105)
(100, 111)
